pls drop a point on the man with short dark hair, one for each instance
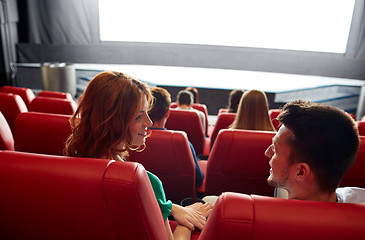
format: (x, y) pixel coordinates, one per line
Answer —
(184, 100)
(159, 114)
(312, 151)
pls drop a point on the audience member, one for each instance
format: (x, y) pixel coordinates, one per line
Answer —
(195, 93)
(253, 112)
(312, 151)
(184, 101)
(234, 100)
(159, 113)
(111, 119)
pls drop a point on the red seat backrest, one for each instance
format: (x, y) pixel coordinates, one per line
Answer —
(189, 122)
(58, 197)
(11, 105)
(222, 110)
(238, 163)
(224, 120)
(198, 106)
(361, 127)
(53, 105)
(6, 136)
(62, 95)
(273, 113)
(41, 132)
(168, 156)
(25, 93)
(355, 176)
(240, 216)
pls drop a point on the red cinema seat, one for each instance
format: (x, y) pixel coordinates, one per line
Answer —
(189, 122)
(224, 120)
(58, 197)
(240, 216)
(355, 176)
(222, 110)
(168, 156)
(361, 127)
(53, 105)
(25, 93)
(237, 163)
(53, 94)
(10, 106)
(6, 136)
(41, 132)
(201, 107)
(273, 113)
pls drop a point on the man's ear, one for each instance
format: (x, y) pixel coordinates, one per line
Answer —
(302, 171)
(167, 114)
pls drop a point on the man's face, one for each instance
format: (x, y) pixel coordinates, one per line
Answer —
(279, 154)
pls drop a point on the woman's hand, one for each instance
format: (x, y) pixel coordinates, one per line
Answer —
(191, 216)
(203, 209)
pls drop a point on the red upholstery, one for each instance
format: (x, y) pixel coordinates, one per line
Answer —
(41, 132)
(240, 216)
(25, 93)
(355, 176)
(53, 105)
(273, 113)
(57, 197)
(222, 110)
(11, 105)
(361, 127)
(53, 94)
(169, 157)
(6, 136)
(201, 107)
(238, 163)
(224, 120)
(189, 122)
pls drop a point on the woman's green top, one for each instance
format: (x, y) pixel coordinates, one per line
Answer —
(165, 205)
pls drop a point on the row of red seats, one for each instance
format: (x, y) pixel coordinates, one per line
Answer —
(237, 162)
(15, 100)
(58, 197)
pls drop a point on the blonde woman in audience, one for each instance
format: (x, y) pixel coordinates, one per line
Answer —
(253, 112)
(112, 119)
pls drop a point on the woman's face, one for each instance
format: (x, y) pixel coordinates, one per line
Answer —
(139, 124)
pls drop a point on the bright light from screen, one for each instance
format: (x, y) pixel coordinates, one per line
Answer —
(308, 25)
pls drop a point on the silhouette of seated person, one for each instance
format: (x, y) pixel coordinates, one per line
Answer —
(184, 100)
(159, 113)
(253, 112)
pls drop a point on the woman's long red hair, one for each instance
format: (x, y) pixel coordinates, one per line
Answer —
(104, 112)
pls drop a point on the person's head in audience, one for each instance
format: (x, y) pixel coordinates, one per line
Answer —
(185, 98)
(111, 117)
(195, 93)
(161, 107)
(313, 149)
(234, 100)
(253, 112)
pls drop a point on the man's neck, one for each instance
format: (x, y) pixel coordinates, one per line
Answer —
(159, 124)
(184, 106)
(315, 196)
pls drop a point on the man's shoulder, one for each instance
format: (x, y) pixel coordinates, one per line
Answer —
(351, 194)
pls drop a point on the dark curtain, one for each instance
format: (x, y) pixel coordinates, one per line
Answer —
(63, 21)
